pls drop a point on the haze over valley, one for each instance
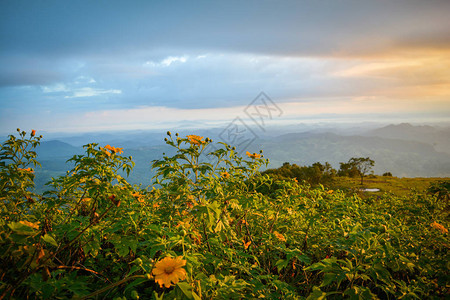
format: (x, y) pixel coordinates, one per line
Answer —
(405, 150)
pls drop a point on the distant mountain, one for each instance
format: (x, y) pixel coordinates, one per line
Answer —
(56, 149)
(404, 150)
(400, 157)
(439, 138)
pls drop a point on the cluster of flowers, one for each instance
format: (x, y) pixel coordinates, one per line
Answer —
(439, 227)
(253, 155)
(195, 139)
(113, 150)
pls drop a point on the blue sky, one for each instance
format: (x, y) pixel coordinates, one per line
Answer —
(115, 65)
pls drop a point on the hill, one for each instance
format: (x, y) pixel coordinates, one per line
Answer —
(439, 138)
(404, 150)
(400, 157)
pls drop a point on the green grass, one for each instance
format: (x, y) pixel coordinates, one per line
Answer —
(386, 184)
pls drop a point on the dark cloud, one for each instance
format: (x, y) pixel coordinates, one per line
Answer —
(267, 27)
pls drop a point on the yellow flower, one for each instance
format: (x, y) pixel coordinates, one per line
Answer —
(439, 227)
(195, 139)
(254, 155)
(225, 175)
(138, 197)
(26, 170)
(29, 224)
(169, 270)
(246, 245)
(114, 149)
(279, 236)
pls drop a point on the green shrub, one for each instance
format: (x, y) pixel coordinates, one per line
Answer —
(210, 227)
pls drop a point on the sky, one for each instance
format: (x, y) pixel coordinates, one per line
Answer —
(83, 66)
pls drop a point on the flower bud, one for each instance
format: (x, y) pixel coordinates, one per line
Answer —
(168, 133)
(165, 139)
(33, 132)
(18, 129)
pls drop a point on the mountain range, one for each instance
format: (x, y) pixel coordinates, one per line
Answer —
(405, 150)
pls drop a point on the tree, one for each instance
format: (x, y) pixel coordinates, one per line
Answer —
(348, 169)
(363, 165)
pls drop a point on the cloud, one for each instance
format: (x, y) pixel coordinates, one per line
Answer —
(335, 110)
(303, 28)
(91, 92)
(56, 88)
(220, 55)
(166, 62)
(84, 80)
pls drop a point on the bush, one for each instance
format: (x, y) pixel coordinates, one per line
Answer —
(210, 227)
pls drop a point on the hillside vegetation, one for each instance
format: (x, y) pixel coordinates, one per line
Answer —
(210, 227)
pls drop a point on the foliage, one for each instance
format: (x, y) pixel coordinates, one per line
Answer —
(441, 189)
(211, 227)
(356, 165)
(314, 175)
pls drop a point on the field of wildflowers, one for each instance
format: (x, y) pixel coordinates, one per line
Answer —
(210, 228)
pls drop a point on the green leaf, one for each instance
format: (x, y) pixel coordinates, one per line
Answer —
(328, 278)
(196, 297)
(317, 294)
(219, 227)
(49, 239)
(186, 289)
(281, 264)
(158, 297)
(20, 228)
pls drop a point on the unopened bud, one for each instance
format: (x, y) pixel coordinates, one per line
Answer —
(168, 133)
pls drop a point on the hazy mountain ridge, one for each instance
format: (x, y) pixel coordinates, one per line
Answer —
(404, 150)
(400, 157)
(439, 138)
